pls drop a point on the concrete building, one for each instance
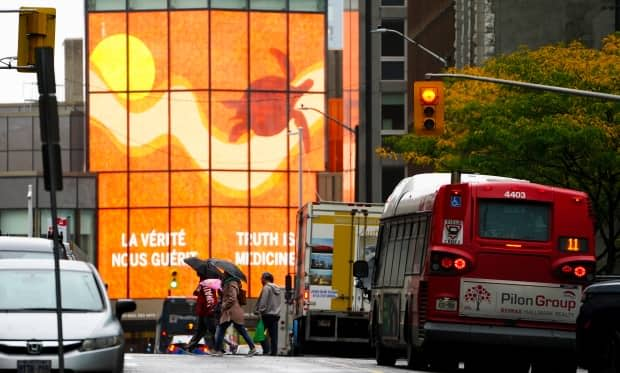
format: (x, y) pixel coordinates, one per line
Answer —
(24, 202)
(463, 32)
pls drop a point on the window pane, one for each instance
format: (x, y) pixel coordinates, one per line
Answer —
(180, 4)
(14, 222)
(514, 220)
(412, 248)
(390, 177)
(307, 5)
(392, 70)
(393, 111)
(420, 246)
(106, 4)
(385, 235)
(268, 4)
(147, 4)
(392, 2)
(229, 4)
(393, 44)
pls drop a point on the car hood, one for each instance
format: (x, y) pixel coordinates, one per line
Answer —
(43, 325)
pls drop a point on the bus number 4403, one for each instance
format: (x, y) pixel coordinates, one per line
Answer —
(517, 195)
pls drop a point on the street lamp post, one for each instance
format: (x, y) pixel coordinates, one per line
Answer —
(435, 55)
(348, 128)
(300, 177)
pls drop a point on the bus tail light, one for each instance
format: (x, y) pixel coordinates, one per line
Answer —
(576, 271)
(448, 263)
(306, 295)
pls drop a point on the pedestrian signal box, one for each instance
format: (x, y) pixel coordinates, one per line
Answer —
(428, 108)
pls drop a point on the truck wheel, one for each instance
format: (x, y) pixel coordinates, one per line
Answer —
(415, 358)
(384, 355)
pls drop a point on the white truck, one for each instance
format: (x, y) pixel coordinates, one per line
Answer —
(329, 304)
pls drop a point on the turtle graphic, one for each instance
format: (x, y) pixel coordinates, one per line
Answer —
(262, 121)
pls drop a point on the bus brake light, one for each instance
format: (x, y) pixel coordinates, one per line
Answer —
(460, 264)
(580, 271)
(448, 263)
(306, 295)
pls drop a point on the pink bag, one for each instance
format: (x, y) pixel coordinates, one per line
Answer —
(212, 283)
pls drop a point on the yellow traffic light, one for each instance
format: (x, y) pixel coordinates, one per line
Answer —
(428, 108)
(173, 280)
(37, 28)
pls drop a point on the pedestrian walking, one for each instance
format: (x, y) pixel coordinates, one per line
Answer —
(268, 309)
(231, 314)
(206, 304)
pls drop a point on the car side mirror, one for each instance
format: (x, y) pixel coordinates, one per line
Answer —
(124, 306)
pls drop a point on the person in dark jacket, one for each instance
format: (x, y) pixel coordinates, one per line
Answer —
(268, 309)
(231, 313)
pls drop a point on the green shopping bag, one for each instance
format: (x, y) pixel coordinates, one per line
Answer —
(259, 334)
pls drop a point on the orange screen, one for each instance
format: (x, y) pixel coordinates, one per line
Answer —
(189, 134)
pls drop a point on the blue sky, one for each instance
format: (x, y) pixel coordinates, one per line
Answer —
(20, 87)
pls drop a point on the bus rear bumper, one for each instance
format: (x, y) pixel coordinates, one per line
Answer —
(500, 336)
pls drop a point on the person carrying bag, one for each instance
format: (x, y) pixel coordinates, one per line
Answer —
(268, 309)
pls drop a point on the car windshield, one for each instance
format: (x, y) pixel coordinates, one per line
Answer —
(34, 290)
(18, 254)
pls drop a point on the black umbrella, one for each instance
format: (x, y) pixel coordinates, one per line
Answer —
(204, 268)
(229, 267)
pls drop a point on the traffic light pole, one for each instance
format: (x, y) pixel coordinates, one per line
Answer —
(48, 116)
(551, 88)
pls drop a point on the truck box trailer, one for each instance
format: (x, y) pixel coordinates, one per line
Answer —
(329, 304)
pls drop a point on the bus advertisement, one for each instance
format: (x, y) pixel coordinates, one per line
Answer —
(480, 270)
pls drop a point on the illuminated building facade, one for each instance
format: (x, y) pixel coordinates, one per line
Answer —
(191, 107)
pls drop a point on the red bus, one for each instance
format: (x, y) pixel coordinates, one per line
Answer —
(481, 271)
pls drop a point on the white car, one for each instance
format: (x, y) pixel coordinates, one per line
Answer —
(92, 337)
(30, 247)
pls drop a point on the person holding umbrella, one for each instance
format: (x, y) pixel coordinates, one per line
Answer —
(231, 313)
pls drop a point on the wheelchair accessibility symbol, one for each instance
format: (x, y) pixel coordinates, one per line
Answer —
(455, 201)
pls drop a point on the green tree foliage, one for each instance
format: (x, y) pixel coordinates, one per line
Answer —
(550, 138)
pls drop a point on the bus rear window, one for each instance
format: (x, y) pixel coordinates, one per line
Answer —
(513, 220)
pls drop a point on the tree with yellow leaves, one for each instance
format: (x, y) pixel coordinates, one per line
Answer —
(547, 137)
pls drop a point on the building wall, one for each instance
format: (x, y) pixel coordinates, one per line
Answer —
(21, 166)
(485, 28)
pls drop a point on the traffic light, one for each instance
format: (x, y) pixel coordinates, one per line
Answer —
(37, 27)
(428, 108)
(173, 280)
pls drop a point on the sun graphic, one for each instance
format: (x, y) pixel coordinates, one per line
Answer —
(109, 58)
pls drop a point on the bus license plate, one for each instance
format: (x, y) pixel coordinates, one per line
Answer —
(34, 366)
